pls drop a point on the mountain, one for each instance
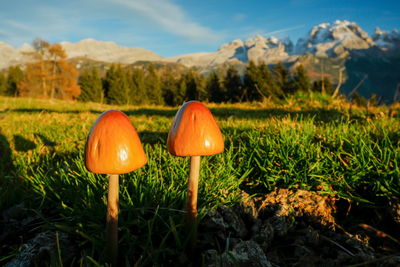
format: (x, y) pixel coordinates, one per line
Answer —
(270, 50)
(387, 41)
(338, 49)
(107, 52)
(90, 49)
(334, 40)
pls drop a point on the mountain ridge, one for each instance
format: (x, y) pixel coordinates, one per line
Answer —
(337, 39)
(340, 48)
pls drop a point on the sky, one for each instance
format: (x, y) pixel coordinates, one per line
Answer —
(176, 27)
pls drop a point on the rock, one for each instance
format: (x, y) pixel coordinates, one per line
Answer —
(281, 224)
(246, 253)
(42, 249)
(225, 222)
(265, 235)
(394, 209)
(233, 221)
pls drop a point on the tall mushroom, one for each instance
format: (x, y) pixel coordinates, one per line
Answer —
(194, 133)
(113, 147)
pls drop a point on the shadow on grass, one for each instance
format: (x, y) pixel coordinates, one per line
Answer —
(149, 137)
(318, 114)
(46, 141)
(6, 164)
(22, 144)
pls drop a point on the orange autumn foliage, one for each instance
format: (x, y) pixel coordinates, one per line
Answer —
(49, 75)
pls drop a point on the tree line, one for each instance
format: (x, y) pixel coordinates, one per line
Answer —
(50, 76)
(146, 85)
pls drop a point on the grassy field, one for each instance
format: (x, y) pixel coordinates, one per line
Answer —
(314, 143)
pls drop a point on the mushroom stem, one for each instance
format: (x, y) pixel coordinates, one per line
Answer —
(193, 187)
(112, 218)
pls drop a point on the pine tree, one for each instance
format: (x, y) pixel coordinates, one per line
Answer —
(14, 77)
(180, 95)
(233, 86)
(169, 85)
(266, 83)
(259, 82)
(153, 86)
(116, 86)
(323, 86)
(301, 81)
(281, 77)
(215, 90)
(251, 77)
(194, 86)
(3, 84)
(91, 86)
(139, 93)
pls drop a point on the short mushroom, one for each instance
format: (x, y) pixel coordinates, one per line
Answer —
(113, 147)
(194, 133)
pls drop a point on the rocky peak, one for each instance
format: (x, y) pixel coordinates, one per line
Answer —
(386, 40)
(334, 39)
(232, 45)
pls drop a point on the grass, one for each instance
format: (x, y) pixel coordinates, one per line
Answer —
(315, 143)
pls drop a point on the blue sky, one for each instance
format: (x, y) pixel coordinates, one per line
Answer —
(175, 27)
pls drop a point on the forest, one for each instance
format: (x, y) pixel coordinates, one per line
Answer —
(50, 75)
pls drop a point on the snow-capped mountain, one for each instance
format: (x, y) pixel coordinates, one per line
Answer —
(334, 40)
(386, 40)
(258, 48)
(327, 40)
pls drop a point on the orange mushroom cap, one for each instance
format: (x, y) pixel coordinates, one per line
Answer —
(113, 146)
(194, 132)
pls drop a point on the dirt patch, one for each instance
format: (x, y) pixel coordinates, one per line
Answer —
(292, 228)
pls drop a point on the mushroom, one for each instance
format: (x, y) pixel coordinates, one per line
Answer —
(113, 147)
(194, 133)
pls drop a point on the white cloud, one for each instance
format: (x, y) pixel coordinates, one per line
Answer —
(170, 18)
(128, 22)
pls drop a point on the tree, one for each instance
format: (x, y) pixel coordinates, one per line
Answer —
(180, 95)
(170, 88)
(49, 75)
(259, 82)
(14, 78)
(250, 82)
(233, 86)
(194, 86)
(91, 86)
(301, 81)
(3, 84)
(153, 86)
(266, 84)
(323, 86)
(139, 93)
(281, 77)
(116, 86)
(215, 90)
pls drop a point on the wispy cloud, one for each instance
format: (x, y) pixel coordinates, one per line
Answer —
(171, 18)
(284, 30)
(239, 17)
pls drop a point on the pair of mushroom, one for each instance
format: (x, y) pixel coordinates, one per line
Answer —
(113, 147)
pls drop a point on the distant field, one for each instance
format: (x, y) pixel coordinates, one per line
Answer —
(317, 144)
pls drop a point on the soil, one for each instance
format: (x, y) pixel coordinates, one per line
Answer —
(282, 228)
(300, 228)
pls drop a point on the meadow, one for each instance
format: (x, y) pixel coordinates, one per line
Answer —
(312, 143)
